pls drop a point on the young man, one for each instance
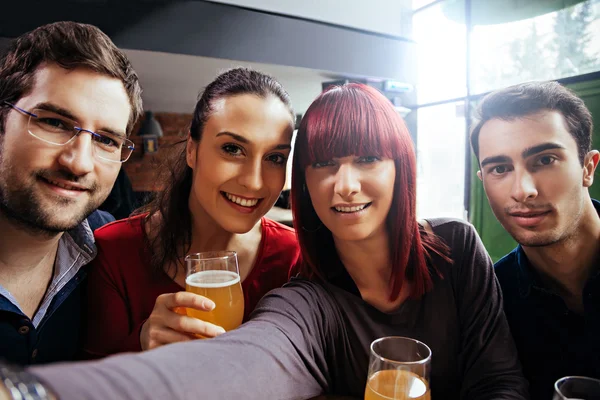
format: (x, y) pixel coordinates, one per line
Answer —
(533, 144)
(68, 100)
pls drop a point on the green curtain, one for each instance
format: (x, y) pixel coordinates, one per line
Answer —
(494, 237)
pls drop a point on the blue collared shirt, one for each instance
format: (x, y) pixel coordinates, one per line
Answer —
(552, 340)
(53, 333)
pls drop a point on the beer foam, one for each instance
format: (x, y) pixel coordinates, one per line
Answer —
(212, 279)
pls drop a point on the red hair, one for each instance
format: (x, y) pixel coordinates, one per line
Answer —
(356, 119)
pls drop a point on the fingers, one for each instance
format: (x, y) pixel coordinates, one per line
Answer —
(170, 323)
(180, 310)
(159, 337)
(185, 299)
(192, 325)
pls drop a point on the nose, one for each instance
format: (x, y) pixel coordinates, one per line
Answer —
(347, 182)
(251, 177)
(77, 156)
(523, 187)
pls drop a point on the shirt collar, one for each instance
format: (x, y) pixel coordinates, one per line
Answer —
(528, 277)
(75, 248)
(83, 238)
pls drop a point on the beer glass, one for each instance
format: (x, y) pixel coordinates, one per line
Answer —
(216, 275)
(399, 369)
(576, 388)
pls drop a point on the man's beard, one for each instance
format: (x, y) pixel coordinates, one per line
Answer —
(538, 241)
(21, 206)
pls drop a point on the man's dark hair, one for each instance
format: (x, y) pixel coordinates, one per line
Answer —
(529, 98)
(70, 45)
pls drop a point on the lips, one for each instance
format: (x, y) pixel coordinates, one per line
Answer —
(350, 208)
(242, 201)
(529, 219)
(66, 186)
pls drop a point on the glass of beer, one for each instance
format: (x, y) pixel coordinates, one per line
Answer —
(576, 388)
(216, 275)
(399, 369)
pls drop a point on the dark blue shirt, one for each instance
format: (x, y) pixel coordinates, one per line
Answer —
(53, 334)
(552, 340)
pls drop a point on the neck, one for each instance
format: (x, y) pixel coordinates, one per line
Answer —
(22, 250)
(567, 265)
(208, 235)
(367, 262)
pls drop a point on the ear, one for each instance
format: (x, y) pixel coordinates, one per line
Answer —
(590, 163)
(479, 175)
(191, 149)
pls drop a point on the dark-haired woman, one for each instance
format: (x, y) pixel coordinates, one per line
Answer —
(230, 174)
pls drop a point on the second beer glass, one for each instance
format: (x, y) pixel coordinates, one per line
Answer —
(216, 275)
(399, 369)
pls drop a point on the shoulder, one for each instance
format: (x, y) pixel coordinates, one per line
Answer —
(506, 268)
(120, 256)
(279, 238)
(299, 296)
(453, 231)
(302, 309)
(98, 219)
(121, 232)
(276, 228)
(469, 258)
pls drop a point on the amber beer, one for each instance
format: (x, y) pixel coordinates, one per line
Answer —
(399, 369)
(397, 385)
(225, 290)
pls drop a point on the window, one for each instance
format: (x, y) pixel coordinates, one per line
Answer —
(554, 45)
(441, 160)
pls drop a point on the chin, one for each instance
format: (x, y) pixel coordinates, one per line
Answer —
(238, 227)
(536, 240)
(351, 236)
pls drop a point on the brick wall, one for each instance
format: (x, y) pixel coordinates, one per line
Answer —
(143, 169)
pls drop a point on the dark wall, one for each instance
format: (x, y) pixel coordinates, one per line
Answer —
(224, 31)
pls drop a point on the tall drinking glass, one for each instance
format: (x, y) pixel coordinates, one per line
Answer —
(216, 275)
(399, 369)
(576, 388)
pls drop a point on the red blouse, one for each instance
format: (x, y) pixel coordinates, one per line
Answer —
(122, 290)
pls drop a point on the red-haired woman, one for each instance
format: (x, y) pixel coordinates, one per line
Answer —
(371, 270)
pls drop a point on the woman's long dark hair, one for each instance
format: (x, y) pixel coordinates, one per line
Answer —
(172, 238)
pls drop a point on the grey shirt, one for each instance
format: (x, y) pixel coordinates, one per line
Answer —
(310, 338)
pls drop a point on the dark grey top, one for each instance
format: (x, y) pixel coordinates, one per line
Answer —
(309, 337)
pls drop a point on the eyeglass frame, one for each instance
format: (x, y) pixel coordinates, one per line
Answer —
(77, 131)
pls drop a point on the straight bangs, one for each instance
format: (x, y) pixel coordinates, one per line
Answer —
(356, 119)
(346, 121)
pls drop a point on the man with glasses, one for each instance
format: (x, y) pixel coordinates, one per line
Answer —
(68, 101)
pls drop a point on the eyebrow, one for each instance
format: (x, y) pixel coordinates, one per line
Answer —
(68, 114)
(539, 148)
(528, 152)
(244, 140)
(495, 160)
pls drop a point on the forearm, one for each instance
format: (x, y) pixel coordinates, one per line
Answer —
(247, 363)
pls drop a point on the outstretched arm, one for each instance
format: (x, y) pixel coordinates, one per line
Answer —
(279, 354)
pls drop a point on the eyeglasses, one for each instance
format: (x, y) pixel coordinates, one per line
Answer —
(55, 129)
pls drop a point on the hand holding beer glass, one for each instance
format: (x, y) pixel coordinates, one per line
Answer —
(215, 275)
(399, 369)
